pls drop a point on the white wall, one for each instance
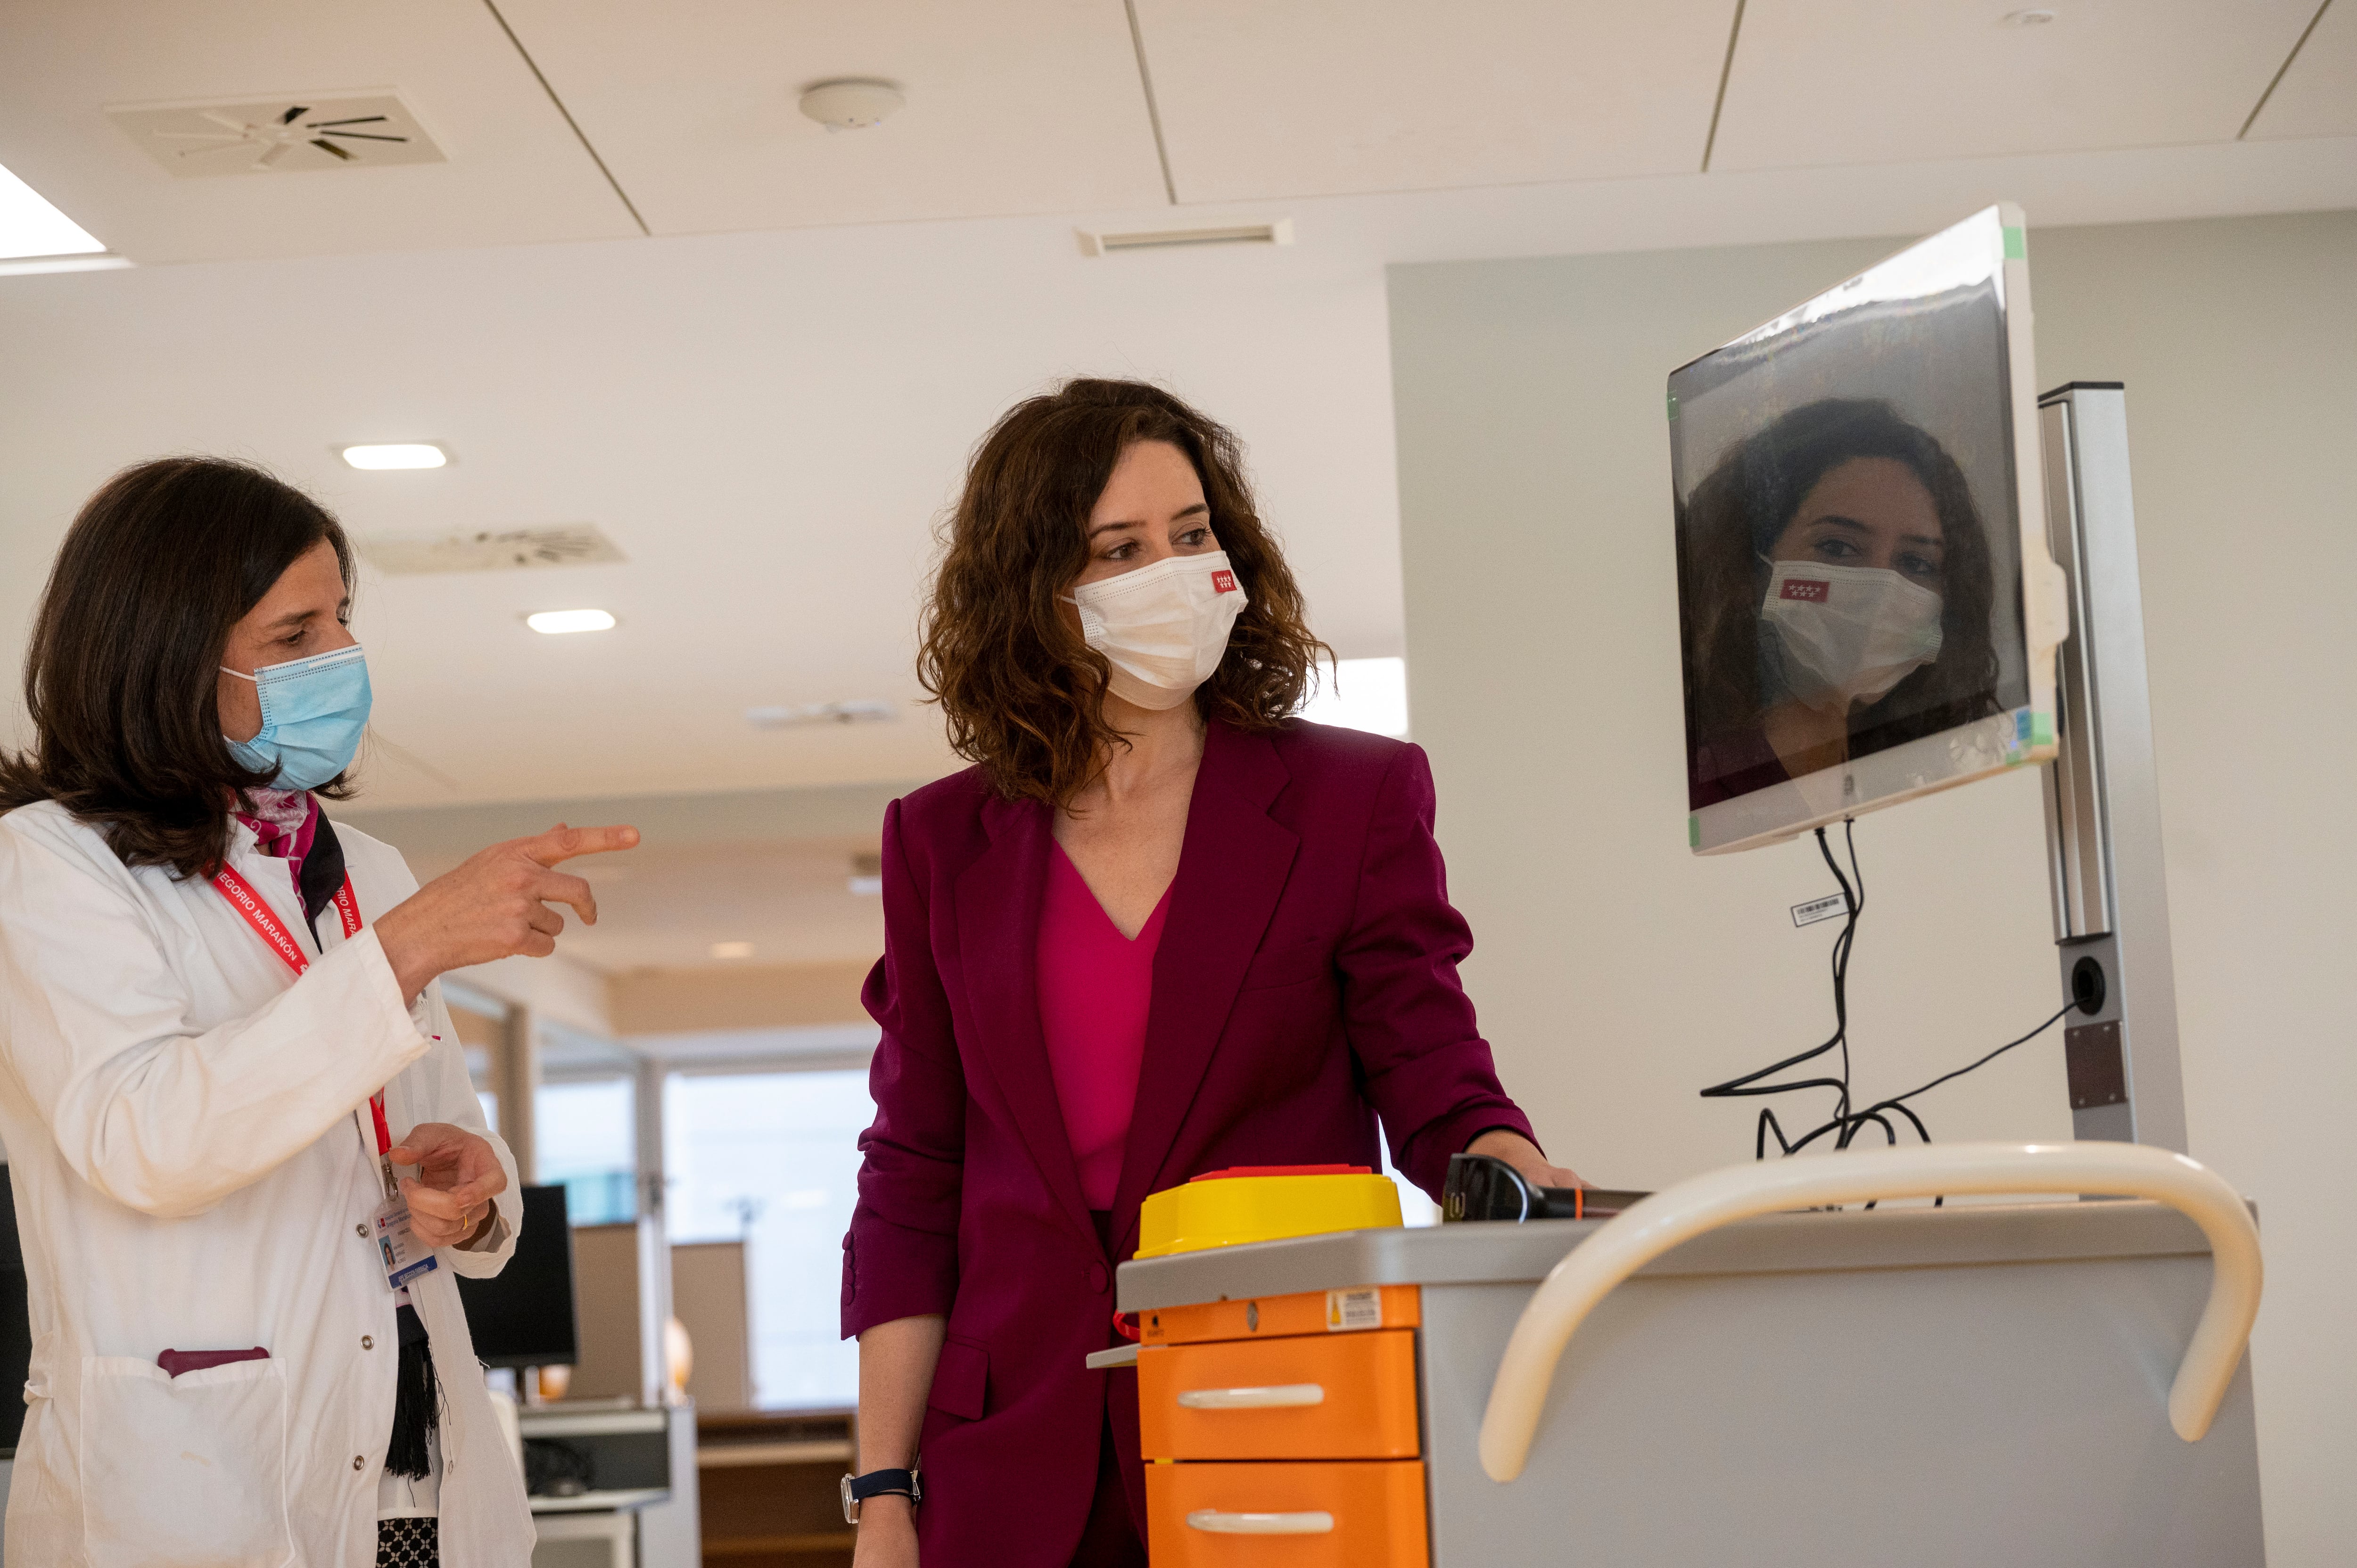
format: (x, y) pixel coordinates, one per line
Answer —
(767, 425)
(1617, 974)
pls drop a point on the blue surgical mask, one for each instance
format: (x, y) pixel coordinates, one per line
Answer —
(313, 711)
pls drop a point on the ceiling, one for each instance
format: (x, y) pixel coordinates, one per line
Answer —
(584, 119)
(1849, 82)
(643, 292)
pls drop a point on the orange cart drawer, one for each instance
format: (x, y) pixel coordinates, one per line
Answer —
(1312, 1312)
(1343, 1396)
(1286, 1516)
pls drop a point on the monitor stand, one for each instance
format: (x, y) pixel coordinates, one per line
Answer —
(2103, 798)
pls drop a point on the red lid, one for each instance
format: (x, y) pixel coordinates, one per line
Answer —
(1282, 1170)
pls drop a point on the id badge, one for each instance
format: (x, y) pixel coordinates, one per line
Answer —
(404, 1257)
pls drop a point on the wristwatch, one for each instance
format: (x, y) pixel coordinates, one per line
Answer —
(858, 1489)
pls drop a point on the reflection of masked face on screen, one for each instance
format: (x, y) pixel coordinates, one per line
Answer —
(1839, 593)
(1855, 587)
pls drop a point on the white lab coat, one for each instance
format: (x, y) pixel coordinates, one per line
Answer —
(178, 1116)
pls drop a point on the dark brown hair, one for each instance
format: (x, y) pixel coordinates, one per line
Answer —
(1023, 695)
(122, 672)
(1736, 515)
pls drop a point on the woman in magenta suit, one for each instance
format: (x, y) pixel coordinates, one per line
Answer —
(1159, 927)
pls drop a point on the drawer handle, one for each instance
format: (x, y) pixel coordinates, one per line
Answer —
(1211, 1521)
(1283, 1396)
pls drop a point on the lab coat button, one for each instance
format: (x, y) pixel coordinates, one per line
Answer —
(368, 1341)
(361, 1232)
(359, 1461)
(1097, 1278)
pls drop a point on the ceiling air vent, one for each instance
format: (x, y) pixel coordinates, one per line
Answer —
(851, 711)
(510, 550)
(278, 136)
(1105, 242)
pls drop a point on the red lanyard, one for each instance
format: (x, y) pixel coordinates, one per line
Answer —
(266, 923)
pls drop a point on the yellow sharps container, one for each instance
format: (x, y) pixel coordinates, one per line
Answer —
(1265, 1203)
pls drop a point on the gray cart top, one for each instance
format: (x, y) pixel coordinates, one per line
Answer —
(1499, 1254)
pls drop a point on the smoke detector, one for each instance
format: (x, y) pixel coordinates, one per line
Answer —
(509, 550)
(852, 105)
(278, 136)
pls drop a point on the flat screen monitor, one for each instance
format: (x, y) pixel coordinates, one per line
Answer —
(1868, 606)
(524, 1316)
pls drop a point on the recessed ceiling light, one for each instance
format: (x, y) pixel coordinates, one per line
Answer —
(30, 226)
(732, 949)
(397, 455)
(556, 623)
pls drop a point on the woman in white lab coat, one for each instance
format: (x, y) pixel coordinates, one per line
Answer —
(204, 984)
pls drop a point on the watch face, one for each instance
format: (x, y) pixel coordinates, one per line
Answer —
(850, 1509)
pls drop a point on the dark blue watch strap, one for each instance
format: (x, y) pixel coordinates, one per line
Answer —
(858, 1489)
(882, 1483)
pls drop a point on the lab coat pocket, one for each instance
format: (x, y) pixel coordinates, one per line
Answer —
(189, 1469)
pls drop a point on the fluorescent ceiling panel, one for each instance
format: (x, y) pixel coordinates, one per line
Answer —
(30, 226)
(1851, 81)
(1262, 100)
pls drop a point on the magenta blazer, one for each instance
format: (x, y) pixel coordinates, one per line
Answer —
(1305, 984)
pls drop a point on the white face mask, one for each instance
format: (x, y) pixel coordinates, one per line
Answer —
(1847, 635)
(1162, 628)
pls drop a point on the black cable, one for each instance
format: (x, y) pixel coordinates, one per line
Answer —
(1750, 1085)
(1846, 1122)
(1896, 1101)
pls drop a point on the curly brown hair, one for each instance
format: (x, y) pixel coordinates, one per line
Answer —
(1023, 695)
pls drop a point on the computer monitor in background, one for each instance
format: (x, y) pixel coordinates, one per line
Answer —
(1867, 606)
(524, 1316)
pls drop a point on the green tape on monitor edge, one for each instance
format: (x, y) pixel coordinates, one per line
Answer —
(1674, 408)
(2016, 243)
(1694, 831)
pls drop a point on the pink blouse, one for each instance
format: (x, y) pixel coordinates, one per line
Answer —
(1094, 988)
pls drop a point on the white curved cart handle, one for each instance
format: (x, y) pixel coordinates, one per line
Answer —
(1283, 1396)
(1211, 1521)
(1648, 1229)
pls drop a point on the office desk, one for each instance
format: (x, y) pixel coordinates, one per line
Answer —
(640, 1510)
(1972, 1386)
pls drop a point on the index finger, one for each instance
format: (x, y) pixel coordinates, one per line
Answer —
(561, 843)
(446, 1203)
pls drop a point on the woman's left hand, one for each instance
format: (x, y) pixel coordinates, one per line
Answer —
(458, 1174)
(1524, 1155)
